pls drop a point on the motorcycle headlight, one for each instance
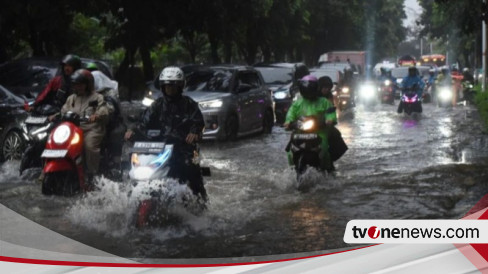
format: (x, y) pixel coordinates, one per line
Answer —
(399, 81)
(143, 173)
(61, 134)
(470, 86)
(147, 101)
(387, 82)
(308, 125)
(211, 104)
(280, 95)
(445, 94)
(367, 91)
(345, 90)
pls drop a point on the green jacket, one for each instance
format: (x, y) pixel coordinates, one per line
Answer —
(304, 107)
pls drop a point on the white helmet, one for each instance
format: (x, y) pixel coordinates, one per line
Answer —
(171, 75)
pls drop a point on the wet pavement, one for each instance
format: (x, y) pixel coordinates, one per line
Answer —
(434, 166)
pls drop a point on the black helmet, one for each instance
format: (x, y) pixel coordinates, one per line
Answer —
(325, 82)
(309, 87)
(83, 76)
(72, 60)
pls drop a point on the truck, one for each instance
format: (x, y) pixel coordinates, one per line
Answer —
(355, 58)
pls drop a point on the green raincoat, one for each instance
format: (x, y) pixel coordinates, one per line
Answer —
(304, 107)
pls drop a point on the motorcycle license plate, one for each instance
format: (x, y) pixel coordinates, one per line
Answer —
(35, 120)
(305, 136)
(54, 153)
(148, 147)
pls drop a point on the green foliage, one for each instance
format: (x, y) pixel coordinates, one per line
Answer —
(156, 33)
(481, 101)
(455, 23)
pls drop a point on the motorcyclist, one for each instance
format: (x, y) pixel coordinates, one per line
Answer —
(444, 78)
(311, 104)
(467, 76)
(82, 102)
(179, 116)
(59, 88)
(325, 87)
(103, 84)
(412, 81)
(116, 125)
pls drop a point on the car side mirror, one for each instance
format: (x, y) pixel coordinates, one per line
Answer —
(243, 88)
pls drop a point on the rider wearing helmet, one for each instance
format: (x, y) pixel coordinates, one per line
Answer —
(87, 103)
(312, 104)
(325, 87)
(412, 81)
(178, 116)
(59, 88)
(467, 76)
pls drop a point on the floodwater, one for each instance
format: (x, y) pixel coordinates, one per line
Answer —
(434, 166)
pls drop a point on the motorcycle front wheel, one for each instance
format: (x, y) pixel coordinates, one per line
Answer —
(60, 183)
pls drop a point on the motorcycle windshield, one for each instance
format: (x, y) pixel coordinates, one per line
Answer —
(145, 165)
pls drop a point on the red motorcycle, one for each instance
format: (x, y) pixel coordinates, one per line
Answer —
(63, 169)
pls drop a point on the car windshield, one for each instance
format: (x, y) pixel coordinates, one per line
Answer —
(276, 76)
(211, 79)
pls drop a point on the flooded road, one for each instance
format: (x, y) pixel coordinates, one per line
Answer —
(397, 167)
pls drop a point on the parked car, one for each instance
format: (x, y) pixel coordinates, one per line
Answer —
(12, 115)
(27, 77)
(282, 79)
(234, 100)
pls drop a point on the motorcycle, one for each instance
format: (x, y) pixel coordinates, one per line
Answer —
(160, 159)
(36, 129)
(305, 143)
(410, 102)
(343, 98)
(468, 91)
(63, 170)
(386, 92)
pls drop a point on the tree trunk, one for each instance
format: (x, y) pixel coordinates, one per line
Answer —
(214, 49)
(147, 63)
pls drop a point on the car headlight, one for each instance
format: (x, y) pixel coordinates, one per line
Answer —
(345, 90)
(61, 134)
(211, 104)
(147, 101)
(280, 95)
(387, 82)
